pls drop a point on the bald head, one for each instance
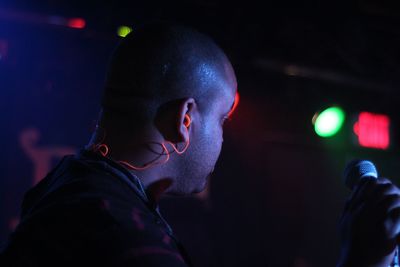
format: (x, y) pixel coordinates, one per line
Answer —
(169, 86)
(158, 63)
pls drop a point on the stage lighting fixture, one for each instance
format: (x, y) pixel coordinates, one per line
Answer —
(123, 31)
(329, 122)
(77, 23)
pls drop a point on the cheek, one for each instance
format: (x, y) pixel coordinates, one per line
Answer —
(213, 140)
(208, 141)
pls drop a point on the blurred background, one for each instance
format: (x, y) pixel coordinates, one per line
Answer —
(318, 83)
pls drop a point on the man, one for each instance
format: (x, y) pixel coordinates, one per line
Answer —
(168, 92)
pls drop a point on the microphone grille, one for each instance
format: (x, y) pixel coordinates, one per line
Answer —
(357, 170)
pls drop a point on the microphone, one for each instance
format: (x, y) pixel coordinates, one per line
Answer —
(354, 172)
(357, 170)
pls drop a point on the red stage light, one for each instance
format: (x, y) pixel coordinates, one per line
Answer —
(76, 23)
(373, 130)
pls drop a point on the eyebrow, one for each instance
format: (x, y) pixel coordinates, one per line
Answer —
(234, 105)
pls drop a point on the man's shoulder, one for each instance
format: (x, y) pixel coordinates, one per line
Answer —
(86, 210)
(84, 185)
(75, 176)
(96, 226)
(79, 199)
(98, 231)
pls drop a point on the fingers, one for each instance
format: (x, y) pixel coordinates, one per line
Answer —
(371, 222)
(392, 223)
(384, 189)
(379, 201)
(389, 203)
(361, 192)
(371, 192)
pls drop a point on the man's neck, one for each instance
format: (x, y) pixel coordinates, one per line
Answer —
(155, 190)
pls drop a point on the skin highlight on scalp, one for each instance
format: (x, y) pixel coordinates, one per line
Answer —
(158, 63)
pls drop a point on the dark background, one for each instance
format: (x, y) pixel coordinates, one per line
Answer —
(277, 192)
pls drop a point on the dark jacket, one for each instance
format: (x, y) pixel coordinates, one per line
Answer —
(91, 211)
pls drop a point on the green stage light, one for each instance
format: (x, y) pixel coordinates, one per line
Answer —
(123, 31)
(329, 122)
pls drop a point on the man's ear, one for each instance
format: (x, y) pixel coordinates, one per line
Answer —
(174, 119)
(185, 117)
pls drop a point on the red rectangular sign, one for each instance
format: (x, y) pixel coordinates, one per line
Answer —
(373, 130)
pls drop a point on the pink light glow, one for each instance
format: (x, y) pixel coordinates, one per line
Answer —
(373, 130)
(77, 23)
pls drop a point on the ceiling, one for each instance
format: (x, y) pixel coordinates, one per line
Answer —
(347, 42)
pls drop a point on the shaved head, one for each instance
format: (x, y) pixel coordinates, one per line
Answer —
(159, 76)
(157, 63)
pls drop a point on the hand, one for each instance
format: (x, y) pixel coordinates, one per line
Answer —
(370, 224)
